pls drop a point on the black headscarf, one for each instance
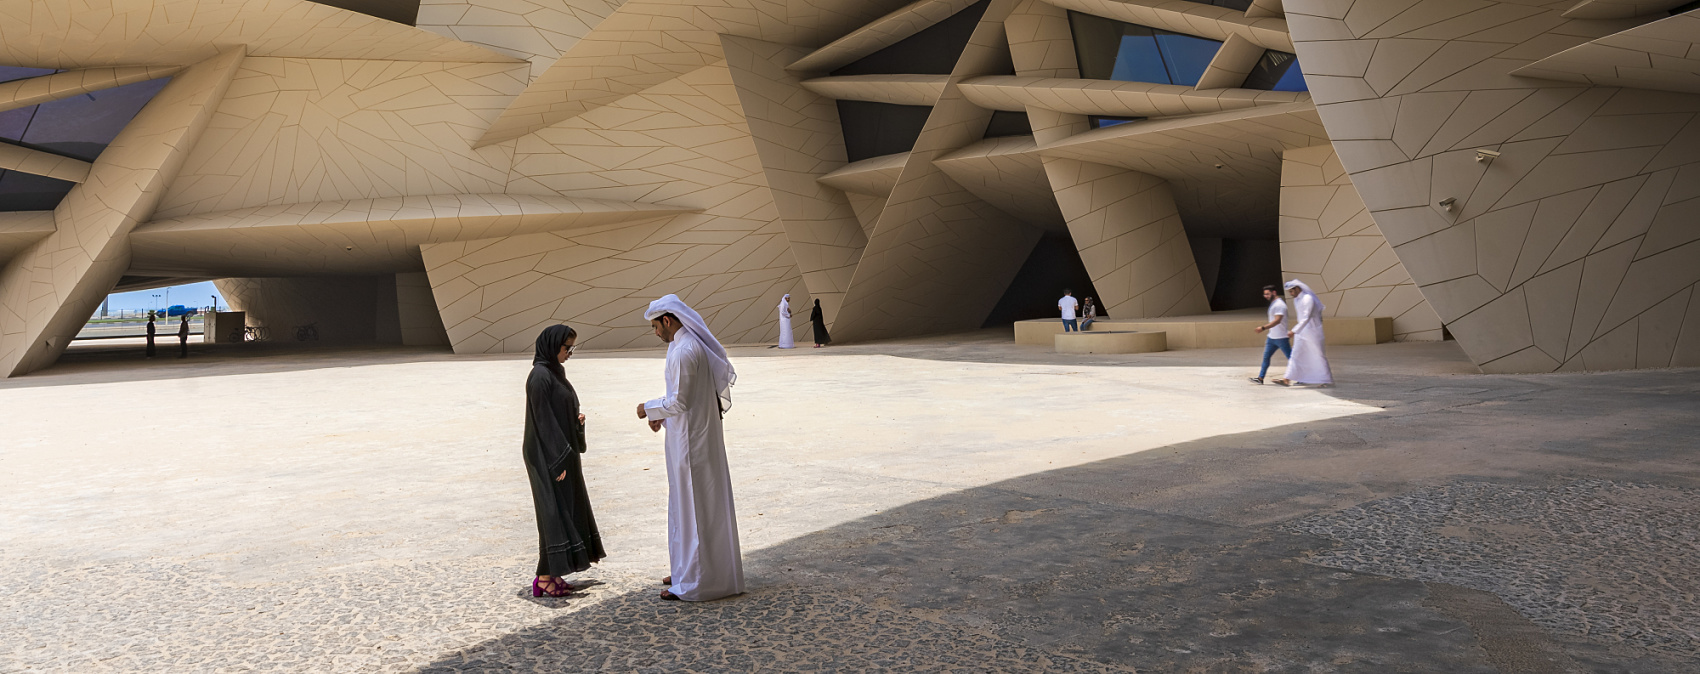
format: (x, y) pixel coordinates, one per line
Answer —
(549, 348)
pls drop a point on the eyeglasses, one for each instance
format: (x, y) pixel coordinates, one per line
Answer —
(571, 348)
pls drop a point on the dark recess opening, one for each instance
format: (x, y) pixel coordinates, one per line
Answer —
(1243, 267)
(1005, 123)
(933, 51)
(1053, 265)
(399, 11)
(877, 129)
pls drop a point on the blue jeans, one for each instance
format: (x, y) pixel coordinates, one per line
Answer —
(1070, 325)
(1270, 345)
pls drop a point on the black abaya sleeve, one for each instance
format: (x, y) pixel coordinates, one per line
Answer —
(545, 403)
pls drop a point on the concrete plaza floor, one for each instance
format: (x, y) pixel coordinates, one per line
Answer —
(949, 504)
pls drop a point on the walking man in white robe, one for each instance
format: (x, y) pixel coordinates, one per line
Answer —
(786, 341)
(702, 526)
(1308, 364)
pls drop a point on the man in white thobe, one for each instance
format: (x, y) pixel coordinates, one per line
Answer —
(1307, 364)
(702, 526)
(786, 341)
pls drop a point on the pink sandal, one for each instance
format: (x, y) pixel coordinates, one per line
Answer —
(554, 587)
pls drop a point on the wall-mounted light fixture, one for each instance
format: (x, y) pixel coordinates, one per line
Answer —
(1448, 202)
(1484, 156)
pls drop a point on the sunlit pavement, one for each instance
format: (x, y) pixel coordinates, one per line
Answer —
(956, 503)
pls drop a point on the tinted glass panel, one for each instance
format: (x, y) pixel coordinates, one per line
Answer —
(1186, 56)
(877, 129)
(1240, 5)
(1107, 49)
(1276, 71)
(1100, 121)
(27, 192)
(933, 51)
(9, 73)
(1139, 60)
(1006, 123)
(399, 11)
(81, 126)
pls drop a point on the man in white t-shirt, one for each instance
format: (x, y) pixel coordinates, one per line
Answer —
(1276, 329)
(1068, 305)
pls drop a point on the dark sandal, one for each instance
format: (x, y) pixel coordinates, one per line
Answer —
(667, 581)
(669, 596)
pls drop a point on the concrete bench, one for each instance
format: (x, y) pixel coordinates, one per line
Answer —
(1223, 330)
(1111, 341)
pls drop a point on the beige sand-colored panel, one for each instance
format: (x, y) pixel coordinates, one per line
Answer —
(362, 236)
(1130, 237)
(923, 90)
(104, 33)
(538, 31)
(647, 42)
(1354, 270)
(799, 140)
(1193, 18)
(874, 176)
(49, 290)
(1553, 256)
(319, 130)
(879, 34)
(1007, 173)
(27, 92)
(36, 162)
(683, 143)
(1108, 97)
(939, 257)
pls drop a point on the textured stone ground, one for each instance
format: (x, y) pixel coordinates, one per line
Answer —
(956, 504)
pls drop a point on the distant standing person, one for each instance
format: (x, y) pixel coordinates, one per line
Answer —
(1276, 339)
(786, 340)
(567, 539)
(1308, 364)
(1088, 313)
(818, 318)
(1067, 305)
(183, 337)
(150, 334)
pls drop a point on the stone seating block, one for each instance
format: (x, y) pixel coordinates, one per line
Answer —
(1111, 341)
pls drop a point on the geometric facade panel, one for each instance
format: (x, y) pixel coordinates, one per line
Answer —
(512, 163)
(1549, 225)
(1329, 241)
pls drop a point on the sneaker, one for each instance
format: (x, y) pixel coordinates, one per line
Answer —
(1257, 380)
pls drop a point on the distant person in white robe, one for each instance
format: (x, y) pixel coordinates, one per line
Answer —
(702, 525)
(786, 341)
(1308, 364)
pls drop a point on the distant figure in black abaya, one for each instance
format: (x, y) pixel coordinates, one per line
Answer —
(554, 437)
(183, 337)
(150, 334)
(819, 319)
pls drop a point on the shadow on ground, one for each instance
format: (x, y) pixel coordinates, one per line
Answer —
(1456, 530)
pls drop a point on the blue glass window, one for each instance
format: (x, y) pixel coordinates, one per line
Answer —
(29, 192)
(81, 126)
(1102, 121)
(1107, 49)
(1276, 71)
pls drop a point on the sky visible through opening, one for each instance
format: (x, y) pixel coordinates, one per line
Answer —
(189, 295)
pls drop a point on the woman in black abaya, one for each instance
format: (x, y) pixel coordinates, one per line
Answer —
(819, 319)
(554, 437)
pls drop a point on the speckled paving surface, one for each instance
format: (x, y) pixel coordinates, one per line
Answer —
(950, 505)
(1609, 561)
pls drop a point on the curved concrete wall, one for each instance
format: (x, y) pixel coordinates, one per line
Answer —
(1576, 247)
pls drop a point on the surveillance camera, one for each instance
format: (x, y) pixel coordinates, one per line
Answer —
(1486, 155)
(1448, 202)
(348, 248)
